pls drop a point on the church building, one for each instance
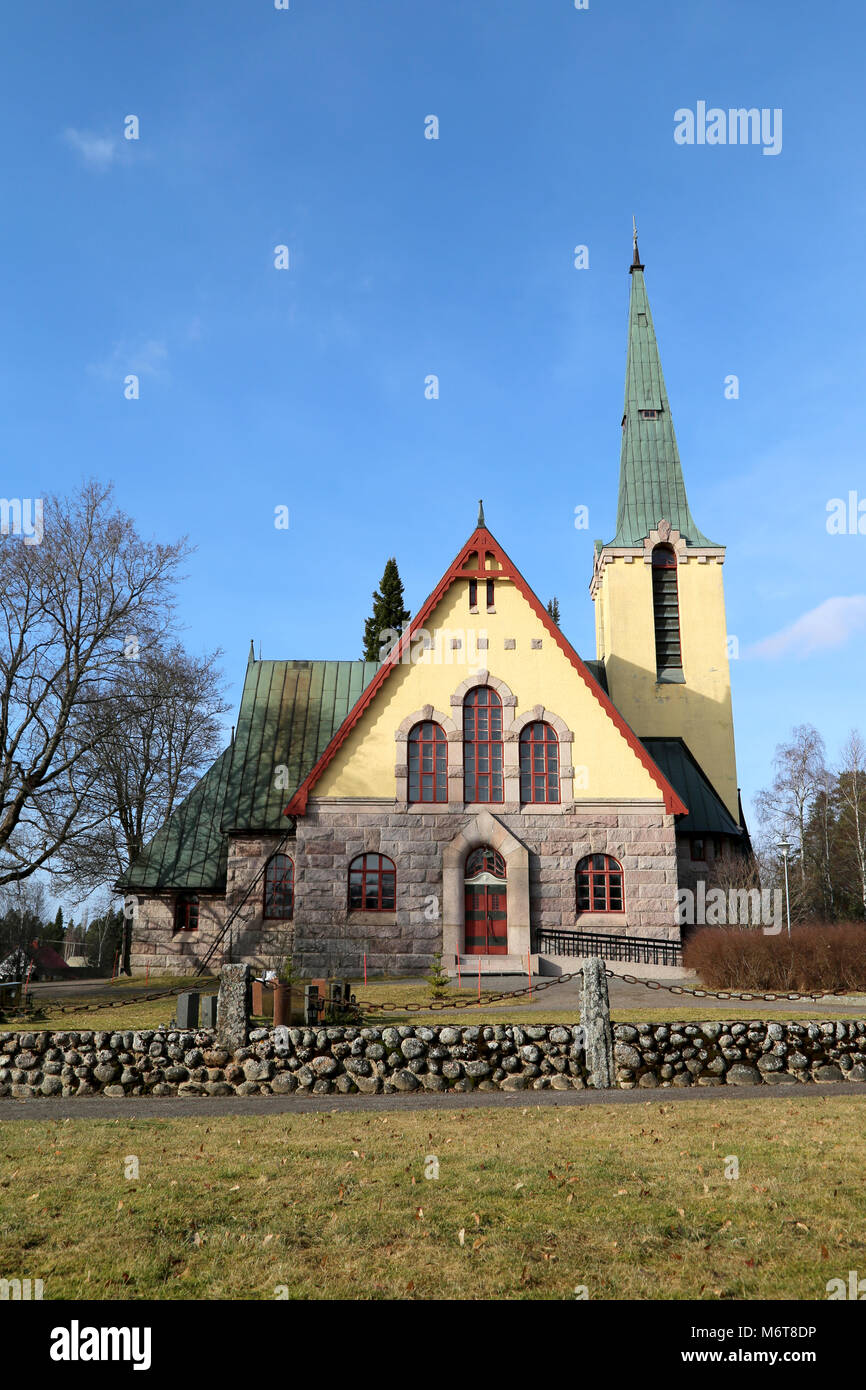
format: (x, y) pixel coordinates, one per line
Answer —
(482, 791)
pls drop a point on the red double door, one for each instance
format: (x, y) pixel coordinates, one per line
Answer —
(486, 920)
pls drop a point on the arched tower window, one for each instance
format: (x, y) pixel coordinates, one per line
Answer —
(279, 887)
(666, 611)
(428, 763)
(482, 746)
(539, 763)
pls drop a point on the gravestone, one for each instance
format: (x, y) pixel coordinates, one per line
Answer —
(233, 1006)
(312, 1001)
(187, 1010)
(595, 1020)
(208, 1011)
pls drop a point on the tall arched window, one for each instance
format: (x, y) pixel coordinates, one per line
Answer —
(279, 887)
(599, 884)
(428, 763)
(539, 763)
(482, 746)
(372, 884)
(186, 912)
(666, 611)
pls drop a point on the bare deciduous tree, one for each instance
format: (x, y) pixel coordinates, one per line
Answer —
(70, 607)
(150, 740)
(800, 773)
(852, 802)
(23, 909)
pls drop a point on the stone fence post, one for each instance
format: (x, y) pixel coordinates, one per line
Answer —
(233, 1006)
(595, 1017)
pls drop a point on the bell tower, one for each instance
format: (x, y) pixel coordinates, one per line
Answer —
(661, 633)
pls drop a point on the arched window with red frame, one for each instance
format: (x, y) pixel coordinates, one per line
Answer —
(482, 746)
(186, 912)
(279, 887)
(485, 861)
(599, 884)
(666, 612)
(428, 763)
(372, 884)
(539, 763)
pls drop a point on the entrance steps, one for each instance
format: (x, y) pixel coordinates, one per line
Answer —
(491, 965)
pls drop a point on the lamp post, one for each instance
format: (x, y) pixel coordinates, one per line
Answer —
(785, 850)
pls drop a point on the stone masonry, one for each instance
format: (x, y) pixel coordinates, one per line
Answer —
(344, 1060)
(325, 936)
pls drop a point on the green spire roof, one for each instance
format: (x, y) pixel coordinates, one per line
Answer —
(651, 486)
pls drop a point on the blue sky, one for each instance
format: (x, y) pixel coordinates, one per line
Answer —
(411, 256)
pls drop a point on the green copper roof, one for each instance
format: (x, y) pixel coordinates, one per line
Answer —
(189, 851)
(707, 813)
(651, 486)
(289, 712)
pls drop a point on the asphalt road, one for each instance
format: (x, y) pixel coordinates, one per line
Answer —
(174, 1107)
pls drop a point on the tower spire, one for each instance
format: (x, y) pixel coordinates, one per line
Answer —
(651, 484)
(481, 522)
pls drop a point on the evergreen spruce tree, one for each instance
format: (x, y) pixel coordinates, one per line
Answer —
(553, 610)
(53, 932)
(389, 615)
(437, 978)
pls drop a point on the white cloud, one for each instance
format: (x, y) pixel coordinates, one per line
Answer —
(145, 358)
(829, 625)
(97, 151)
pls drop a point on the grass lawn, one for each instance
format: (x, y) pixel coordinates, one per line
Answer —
(629, 1201)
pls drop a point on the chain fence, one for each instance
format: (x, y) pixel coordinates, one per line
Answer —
(44, 1003)
(745, 996)
(438, 1005)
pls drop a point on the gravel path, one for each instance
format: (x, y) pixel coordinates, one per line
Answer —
(173, 1107)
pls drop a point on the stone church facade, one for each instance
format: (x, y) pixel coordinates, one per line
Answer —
(482, 791)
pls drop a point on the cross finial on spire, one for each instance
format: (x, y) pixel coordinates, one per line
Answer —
(636, 261)
(481, 521)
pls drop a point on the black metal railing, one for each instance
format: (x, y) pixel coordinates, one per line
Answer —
(649, 950)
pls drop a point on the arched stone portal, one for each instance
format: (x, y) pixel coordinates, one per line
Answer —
(484, 829)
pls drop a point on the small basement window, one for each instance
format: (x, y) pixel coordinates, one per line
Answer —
(186, 912)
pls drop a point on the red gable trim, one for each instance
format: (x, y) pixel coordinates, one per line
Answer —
(480, 541)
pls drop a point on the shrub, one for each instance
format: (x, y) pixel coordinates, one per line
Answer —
(814, 957)
(437, 979)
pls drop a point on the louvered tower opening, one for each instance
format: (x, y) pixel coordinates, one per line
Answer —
(666, 612)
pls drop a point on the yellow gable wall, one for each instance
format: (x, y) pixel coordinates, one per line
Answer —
(364, 766)
(699, 712)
